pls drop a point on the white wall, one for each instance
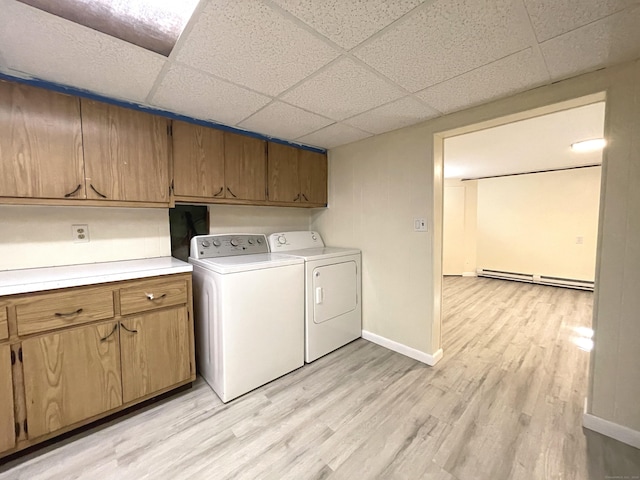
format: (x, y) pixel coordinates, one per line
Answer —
(38, 236)
(531, 223)
(378, 184)
(459, 220)
(248, 219)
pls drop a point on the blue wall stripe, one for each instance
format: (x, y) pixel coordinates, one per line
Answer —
(57, 87)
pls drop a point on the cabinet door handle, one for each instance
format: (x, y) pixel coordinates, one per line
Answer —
(71, 194)
(69, 314)
(297, 198)
(232, 194)
(94, 189)
(305, 197)
(151, 296)
(219, 192)
(104, 339)
(131, 330)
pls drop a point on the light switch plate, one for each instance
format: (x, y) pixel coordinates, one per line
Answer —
(80, 233)
(419, 225)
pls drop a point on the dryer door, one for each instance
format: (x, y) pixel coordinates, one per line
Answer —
(334, 290)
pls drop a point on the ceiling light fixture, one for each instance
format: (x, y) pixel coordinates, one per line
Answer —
(589, 145)
(151, 24)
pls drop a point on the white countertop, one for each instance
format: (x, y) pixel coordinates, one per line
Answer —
(49, 278)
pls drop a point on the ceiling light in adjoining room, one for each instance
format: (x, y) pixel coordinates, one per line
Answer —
(589, 145)
(154, 25)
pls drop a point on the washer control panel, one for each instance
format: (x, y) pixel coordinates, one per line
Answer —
(224, 245)
(283, 241)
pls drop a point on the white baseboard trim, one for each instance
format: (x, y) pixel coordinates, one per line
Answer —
(605, 427)
(469, 274)
(410, 352)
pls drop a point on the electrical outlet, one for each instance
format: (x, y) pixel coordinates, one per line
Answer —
(579, 240)
(80, 233)
(419, 225)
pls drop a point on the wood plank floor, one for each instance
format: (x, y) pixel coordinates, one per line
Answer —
(504, 403)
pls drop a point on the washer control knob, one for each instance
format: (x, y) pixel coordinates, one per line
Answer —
(259, 240)
(205, 243)
(313, 237)
(282, 239)
(234, 242)
(216, 243)
(250, 241)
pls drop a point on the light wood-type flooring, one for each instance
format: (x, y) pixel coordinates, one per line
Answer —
(504, 403)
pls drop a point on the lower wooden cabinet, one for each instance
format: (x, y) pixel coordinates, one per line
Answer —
(74, 373)
(7, 424)
(71, 376)
(155, 352)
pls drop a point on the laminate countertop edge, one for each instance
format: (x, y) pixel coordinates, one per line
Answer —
(13, 282)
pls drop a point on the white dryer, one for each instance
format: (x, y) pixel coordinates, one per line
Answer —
(249, 310)
(333, 290)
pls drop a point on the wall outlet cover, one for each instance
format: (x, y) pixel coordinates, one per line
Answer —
(80, 233)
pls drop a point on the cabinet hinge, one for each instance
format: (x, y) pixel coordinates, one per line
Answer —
(25, 427)
(20, 354)
(17, 429)
(170, 129)
(13, 357)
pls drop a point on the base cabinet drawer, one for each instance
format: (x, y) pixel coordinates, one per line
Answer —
(48, 311)
(152, 294)
(71, 376)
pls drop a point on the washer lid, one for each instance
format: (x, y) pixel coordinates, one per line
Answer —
(245, 263)
(323, 252)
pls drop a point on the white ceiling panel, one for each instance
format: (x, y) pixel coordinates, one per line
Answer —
(342, 90)
(540, 143)
(348, 23)
(394, 115)
(284, 121)
(51, 48)
(605, 42)
(334, 136)
(249, 43)
(445, 39)
(189, 92)
(509, 75)
(551, 18)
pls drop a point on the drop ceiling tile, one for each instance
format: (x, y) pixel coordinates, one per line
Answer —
(401, 113)
(348, 23)
(334, 135)
(284, 121)
(195, 94)
(608, 41)
(51, 48)
(445, 39)
(251, 44)
(342, 90)
(515, 73)
(551, 18)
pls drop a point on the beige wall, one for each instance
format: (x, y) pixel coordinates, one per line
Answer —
(378, 184)
(459, 243)
(531, 223)
(33, 236)
(247, 219)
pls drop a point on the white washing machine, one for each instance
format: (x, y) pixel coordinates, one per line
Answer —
(249, 310)
(333, 290)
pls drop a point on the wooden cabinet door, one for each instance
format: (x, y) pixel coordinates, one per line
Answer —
(198, 161)
(71, 376)
(284, 184)
(40, 143)
(245, 167)
(7, 428)
(155, 352)
(313, 176)
(126, 154)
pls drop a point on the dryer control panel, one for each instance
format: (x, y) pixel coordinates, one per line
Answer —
(225, 245)
(283, 241)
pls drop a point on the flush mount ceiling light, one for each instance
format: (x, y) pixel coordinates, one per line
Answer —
(151, 24)
(589, 145)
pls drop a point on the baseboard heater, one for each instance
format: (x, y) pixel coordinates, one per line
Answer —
(533, 278)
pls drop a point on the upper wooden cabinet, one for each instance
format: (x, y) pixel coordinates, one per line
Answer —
(40, 144)
(126, 154)
(297, 175)
(245, 167)
(198, 161)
